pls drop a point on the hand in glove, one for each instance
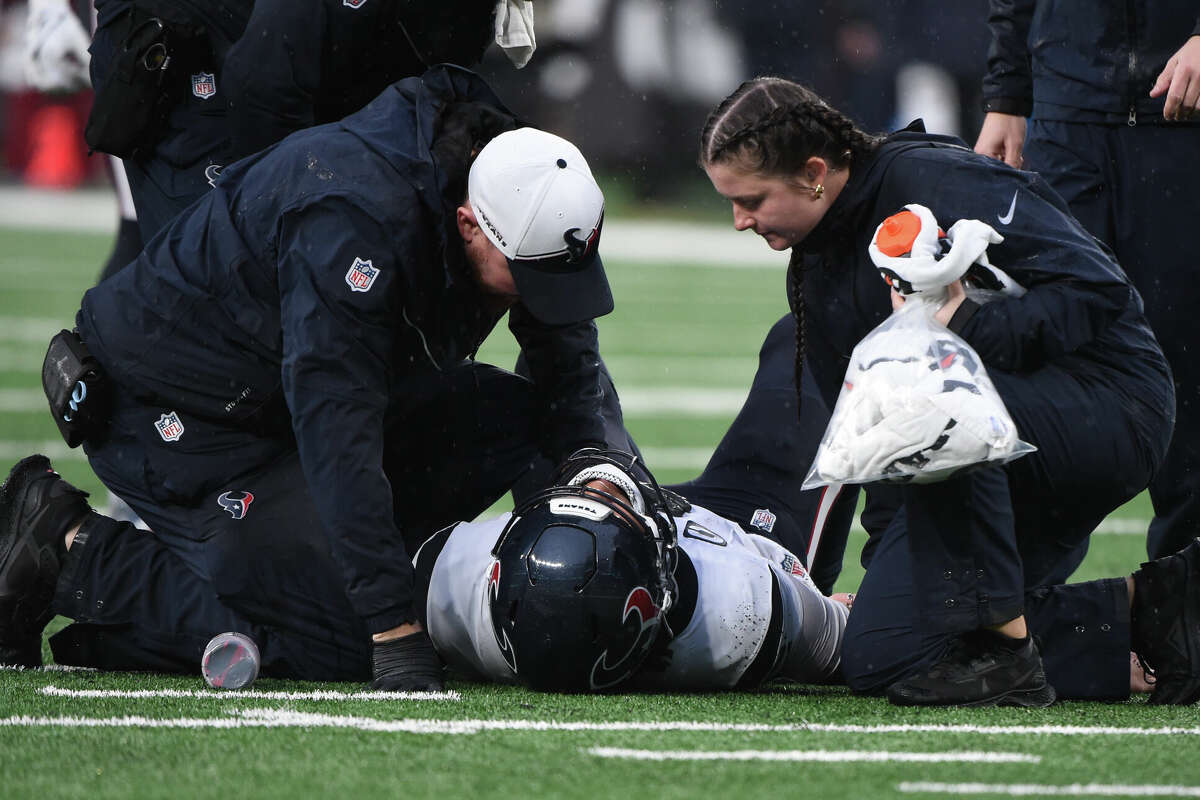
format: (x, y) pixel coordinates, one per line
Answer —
(407, 664)
(56, 48)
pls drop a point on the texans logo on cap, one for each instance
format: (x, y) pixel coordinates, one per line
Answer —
(577, 249)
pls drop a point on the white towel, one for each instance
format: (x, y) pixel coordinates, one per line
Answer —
(514, 30)
(55, 48)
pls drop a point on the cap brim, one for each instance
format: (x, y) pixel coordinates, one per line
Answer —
(558, 297)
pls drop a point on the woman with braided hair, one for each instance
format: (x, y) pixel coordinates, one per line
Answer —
(962, 572)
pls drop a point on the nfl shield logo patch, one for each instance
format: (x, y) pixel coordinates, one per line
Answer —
(361, 275)
(204, 85)
(792, 566)
(169, 427)
(353, 3)
(764, 520)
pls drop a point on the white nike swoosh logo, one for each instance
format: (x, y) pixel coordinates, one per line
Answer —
(1007, 218)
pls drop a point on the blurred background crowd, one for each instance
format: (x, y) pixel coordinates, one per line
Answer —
(630, 81)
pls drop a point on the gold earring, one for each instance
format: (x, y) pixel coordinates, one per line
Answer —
(818, 190)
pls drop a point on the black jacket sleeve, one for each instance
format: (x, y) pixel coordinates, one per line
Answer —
(337, 368)
(564, 362)
(1008, 83)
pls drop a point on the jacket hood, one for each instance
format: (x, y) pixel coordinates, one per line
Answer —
(401, 126)
(858, 195)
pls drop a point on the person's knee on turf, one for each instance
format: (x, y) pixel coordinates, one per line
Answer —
(1165, 610)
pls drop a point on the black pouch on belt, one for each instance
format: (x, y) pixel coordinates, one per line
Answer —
(131, 104)
(76, 387)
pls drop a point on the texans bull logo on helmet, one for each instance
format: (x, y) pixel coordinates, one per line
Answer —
(236, 506)
(493, 588)
(641, 618)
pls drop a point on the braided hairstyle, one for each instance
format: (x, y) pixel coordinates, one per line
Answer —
(771, 127)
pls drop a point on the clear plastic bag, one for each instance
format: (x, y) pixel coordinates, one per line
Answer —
(916, 406)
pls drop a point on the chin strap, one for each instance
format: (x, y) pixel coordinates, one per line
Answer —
(616, 477)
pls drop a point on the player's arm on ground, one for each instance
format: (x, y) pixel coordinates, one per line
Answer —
(815, 639)
(273, 72)
(340, 289)
(564, 362)
(1008, 82)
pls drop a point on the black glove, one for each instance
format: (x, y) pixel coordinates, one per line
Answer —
(407, 664)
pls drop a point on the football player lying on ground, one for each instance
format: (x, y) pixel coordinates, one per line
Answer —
(581, 589)
(636, 588)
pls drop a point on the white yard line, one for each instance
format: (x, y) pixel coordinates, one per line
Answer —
(32, 330)
(1068, 790)
(321, 694)
(23, 400)
(813, 755)
(260, 718)
(1004, 730)
(628, 239)
(691, 244)
(692, 458)
(13, 450)
(45, 668)
(678, 401)
(681, 401)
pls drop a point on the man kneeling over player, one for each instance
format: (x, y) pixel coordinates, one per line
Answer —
(584, 590)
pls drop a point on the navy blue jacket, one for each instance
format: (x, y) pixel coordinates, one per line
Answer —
(1080, 312)
(308, 62)
(242, 313)
(1083, 60)
(284, 65)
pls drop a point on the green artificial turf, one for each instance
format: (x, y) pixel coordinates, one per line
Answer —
(676, 328)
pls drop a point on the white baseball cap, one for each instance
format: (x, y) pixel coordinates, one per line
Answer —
(537, 201)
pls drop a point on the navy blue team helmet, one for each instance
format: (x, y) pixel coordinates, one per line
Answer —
(581, 579)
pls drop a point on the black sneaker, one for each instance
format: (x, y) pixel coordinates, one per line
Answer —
(26, 654)
(979, 669)
(37, 507)
(1166, 624)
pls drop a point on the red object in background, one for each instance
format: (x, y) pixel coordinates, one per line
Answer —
(55, 160)
(43, 139)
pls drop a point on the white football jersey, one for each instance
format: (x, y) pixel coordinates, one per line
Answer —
(726, 631)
